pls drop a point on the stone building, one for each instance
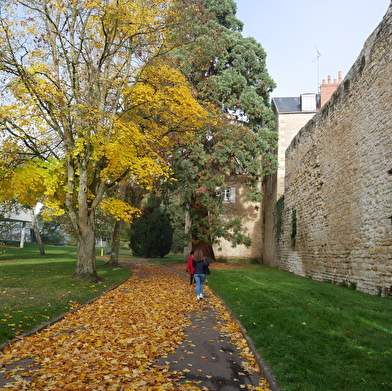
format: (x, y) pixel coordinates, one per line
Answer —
(252, 221)
(292, 113)
(336, 220)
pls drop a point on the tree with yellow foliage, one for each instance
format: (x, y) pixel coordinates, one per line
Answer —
(88, 103)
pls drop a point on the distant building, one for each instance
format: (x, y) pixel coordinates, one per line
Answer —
(292, 113)
(17, 227)
(233, 195)
(328, 88)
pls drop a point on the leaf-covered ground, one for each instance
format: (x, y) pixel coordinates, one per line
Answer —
(114, 342)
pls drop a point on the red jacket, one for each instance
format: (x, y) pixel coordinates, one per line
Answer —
(189, 266)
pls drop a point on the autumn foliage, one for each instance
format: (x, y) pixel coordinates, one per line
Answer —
(89, 102)
(112, 343)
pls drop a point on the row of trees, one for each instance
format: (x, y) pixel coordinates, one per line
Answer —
(105, 101)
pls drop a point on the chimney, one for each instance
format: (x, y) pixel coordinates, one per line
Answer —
(327, 89)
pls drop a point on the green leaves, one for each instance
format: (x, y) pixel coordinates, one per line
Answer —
(229, 75)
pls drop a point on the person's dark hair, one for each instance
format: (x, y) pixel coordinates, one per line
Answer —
(198, 255)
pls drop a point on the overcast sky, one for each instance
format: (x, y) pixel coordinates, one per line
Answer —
(295, 33)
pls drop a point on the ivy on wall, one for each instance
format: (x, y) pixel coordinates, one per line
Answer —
(293, 226)
(278, 217)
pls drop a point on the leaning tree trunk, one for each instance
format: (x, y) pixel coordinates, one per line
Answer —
(206, 248)
(36, 232)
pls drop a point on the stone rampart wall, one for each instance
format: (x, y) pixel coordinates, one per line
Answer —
(337, 219)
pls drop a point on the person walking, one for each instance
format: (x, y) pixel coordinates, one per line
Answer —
(189, 267)
(199, 261)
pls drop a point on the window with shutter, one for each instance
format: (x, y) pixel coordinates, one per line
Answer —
(229, 195)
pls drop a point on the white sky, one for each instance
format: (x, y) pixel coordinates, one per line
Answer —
(293, 32)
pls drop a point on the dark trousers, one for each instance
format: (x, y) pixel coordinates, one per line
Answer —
(191, 279)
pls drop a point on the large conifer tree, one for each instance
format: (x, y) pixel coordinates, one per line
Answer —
(228, 73)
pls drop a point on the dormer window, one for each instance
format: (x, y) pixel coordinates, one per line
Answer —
(308, 102)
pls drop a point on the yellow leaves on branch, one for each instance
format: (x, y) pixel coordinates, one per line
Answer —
(33, 181)
(91, 92)
(119, 209)
(130, 148)
(163, 94)
(160, 112)
(133, 17)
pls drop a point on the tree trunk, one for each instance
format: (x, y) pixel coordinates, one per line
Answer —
(196, 242)
(22, 235)
(36, 232)
(188, 224)
(85, 264)
(207, 250)
(113, 262)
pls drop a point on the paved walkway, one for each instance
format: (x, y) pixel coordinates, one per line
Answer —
(150, 333)
(209, 360)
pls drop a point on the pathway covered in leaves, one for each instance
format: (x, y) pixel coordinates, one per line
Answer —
(149, 333)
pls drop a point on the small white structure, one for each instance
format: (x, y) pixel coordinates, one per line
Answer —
(25, 220)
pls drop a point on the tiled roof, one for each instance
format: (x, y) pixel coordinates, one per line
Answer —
(291, 104)
(287, 105)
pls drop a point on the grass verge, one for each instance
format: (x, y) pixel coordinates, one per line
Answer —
(315, 336)
(167, 259)
(35, 288)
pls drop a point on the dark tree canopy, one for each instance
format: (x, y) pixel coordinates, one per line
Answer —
(151, 234)
(229, 76)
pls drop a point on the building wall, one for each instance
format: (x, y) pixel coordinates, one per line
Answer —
(339, 179)
(251, 216)
(269, 201)
(12, 231)
(288, 125)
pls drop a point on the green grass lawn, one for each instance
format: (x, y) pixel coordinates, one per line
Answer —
(315, 336)
(167, 259)
(35, 288)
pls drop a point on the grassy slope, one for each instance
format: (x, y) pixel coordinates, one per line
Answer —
(315, 336)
